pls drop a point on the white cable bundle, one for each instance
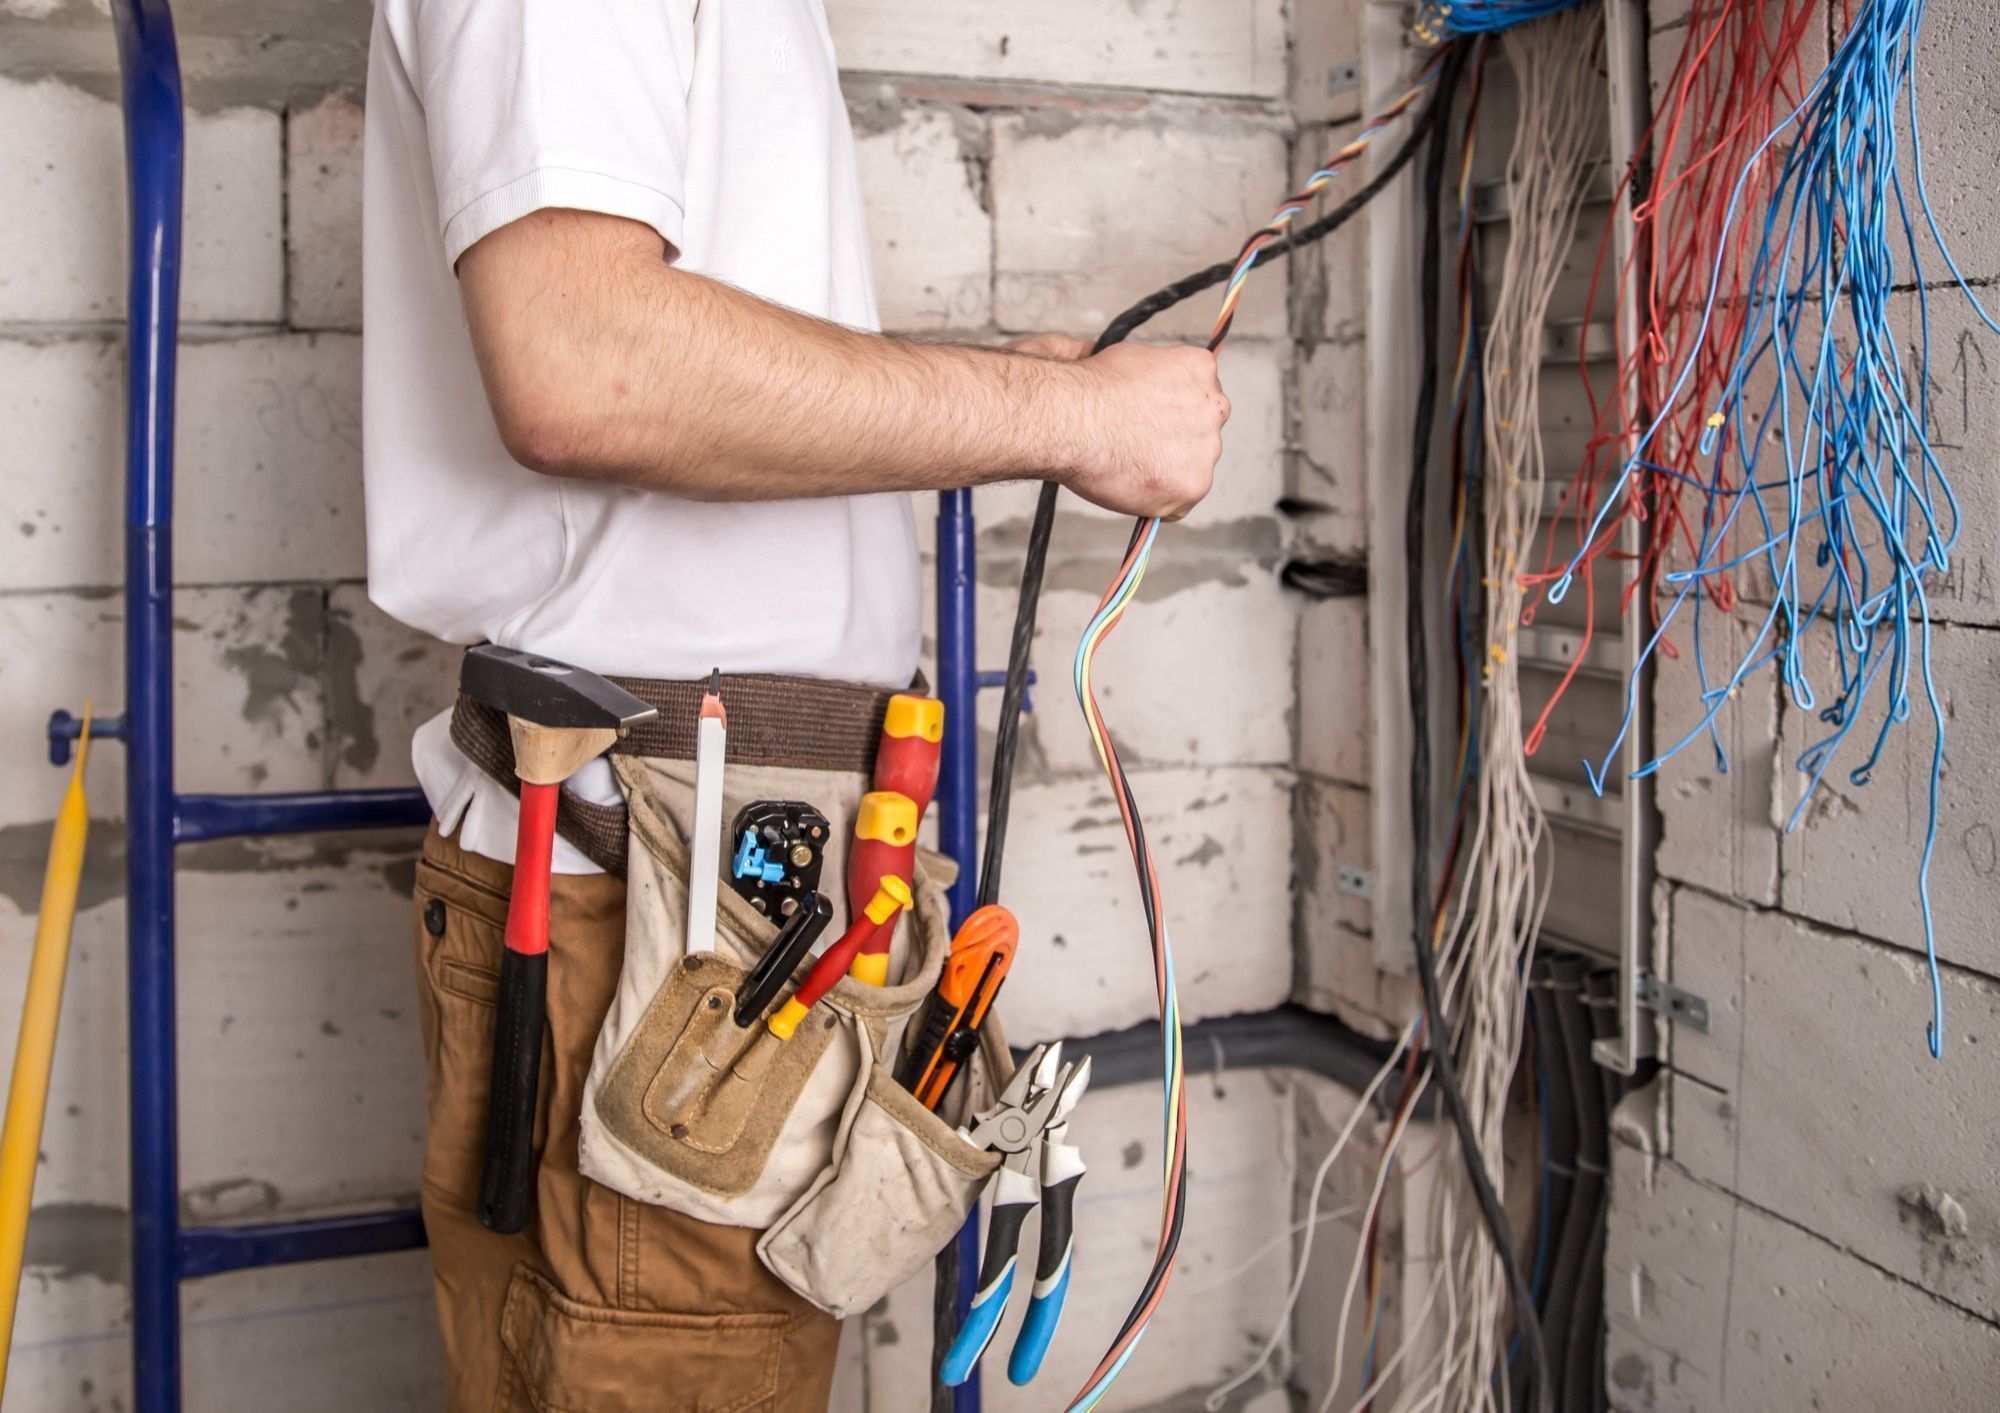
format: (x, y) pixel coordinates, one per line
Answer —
(1559, 76)
(1452, 1331)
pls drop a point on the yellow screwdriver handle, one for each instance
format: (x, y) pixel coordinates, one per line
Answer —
(28, 1094)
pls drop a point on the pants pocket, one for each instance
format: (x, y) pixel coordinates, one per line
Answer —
(563, 1356)
(460, 927)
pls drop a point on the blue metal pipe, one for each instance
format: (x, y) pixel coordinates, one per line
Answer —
(149, 66)
(958, 789)
(211, 1251)
(199, 817)
(958, 689)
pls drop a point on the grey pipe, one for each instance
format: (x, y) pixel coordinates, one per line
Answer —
(1287, 1037)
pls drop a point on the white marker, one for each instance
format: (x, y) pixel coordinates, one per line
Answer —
(711, 739)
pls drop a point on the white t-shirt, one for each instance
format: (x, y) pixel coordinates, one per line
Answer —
(720, 124)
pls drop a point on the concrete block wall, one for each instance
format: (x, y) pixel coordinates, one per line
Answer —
(1329, 483)
(1037, 166)
(1804, 1212)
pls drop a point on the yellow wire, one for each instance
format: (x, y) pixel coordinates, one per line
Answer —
(34, 1055)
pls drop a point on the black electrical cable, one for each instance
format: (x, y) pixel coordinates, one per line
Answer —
(1430, 273)
(1559, 1142)
(999, 796)
(1561, 1145)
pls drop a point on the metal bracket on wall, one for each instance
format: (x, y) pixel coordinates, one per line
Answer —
(1672, 1002)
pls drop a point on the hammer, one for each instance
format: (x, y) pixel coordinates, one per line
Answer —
(560, 718)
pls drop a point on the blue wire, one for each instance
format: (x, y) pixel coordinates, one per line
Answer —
(1863, 500)
(1483, 16)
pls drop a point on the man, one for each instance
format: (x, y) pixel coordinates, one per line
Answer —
(624, 407)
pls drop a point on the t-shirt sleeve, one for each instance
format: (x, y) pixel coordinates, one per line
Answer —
(554, 103)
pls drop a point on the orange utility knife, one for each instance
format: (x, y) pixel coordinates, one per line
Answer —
(980, 955)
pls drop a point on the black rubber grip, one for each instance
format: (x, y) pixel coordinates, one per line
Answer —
(1058, 1225)
(931, 1036)
(507, 1178)
(787, 950)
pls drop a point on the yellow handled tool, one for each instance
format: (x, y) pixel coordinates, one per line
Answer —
(28, 1095)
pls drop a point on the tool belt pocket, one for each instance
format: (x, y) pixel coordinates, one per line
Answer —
(686, 1109)
(901, 1184)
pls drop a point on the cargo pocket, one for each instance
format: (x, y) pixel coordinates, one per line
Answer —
(460, 928)
(902, 1183)
(563, 1356)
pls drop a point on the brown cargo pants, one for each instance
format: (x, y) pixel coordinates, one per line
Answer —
(603, 1304)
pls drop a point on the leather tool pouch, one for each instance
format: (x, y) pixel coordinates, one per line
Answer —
(810, 1137)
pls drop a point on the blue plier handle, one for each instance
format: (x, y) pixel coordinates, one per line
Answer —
(1062, 1170)
(1028, 1126)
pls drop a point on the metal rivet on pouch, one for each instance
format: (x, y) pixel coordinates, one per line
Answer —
(434, 917)
(678, 1131)
(692, 963)
(715, 1003)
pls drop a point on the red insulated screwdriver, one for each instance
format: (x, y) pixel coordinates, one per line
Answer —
(892, 895)
(885, 827)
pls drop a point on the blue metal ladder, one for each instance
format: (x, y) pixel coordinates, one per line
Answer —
(165, 1253)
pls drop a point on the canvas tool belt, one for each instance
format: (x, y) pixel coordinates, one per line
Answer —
(855, 1184)
(799, 723)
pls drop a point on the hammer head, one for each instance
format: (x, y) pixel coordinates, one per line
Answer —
(543, 692)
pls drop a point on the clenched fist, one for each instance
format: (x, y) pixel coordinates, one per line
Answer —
(1150, 431)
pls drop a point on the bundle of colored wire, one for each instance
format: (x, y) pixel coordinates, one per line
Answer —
(1503, 886)
(1464, 592)
(1738, 72)
(1860, 518)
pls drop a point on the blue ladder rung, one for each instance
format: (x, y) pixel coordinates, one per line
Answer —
(210, 1251)
(199, 817)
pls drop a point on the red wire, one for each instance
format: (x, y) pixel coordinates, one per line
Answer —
(1738, 75)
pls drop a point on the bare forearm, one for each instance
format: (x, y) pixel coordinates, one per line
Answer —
(648, 376)
(603, 362)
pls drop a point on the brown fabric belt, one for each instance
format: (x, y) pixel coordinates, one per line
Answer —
(800, 723)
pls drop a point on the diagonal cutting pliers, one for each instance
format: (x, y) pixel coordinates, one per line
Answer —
(1029, 1126)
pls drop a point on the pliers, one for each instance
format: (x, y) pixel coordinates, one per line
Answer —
(1028, 1125)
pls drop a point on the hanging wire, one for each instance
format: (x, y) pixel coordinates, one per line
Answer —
(1265, 240)
(1860, 519)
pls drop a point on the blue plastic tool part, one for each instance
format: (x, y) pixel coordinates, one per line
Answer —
(752, 861)
(1038, 1329)
(976, 1329)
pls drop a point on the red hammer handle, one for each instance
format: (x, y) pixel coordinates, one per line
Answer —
(507, 1174)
